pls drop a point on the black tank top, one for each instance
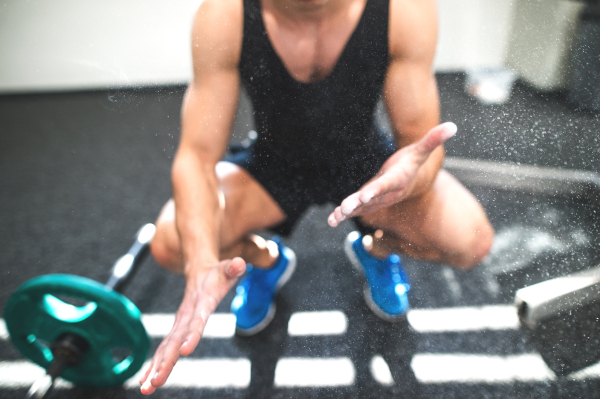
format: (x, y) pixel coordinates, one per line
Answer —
(325, 126)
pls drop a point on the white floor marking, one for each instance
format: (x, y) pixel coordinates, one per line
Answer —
(314, 372)
(335, 322)
(158, 325)
(188, 373)
(3, 331)
(327, 372)
(452, 281)
(323, 372)
(21, 374)
(381, 371)
(332, 322)
(467, 368)
(592, 371)
(203, 373)
(497, 317)
(219, 325)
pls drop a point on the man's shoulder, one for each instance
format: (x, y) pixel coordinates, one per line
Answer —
(217, 30)
(219, 9)
(413, 28)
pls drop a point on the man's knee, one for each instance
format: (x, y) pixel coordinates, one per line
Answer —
(163, 253)
(477, 248)
(165, 246)
(464, 253)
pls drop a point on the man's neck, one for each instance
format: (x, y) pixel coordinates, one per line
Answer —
(304, 10)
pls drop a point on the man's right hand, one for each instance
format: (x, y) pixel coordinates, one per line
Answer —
(204, 290)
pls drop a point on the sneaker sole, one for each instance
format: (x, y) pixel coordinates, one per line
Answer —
(246, 332)
(285, 277)
(366, 289)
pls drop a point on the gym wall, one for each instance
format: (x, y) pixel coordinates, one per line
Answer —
(62, 45)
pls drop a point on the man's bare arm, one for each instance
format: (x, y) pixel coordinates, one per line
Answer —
(207, 117)
(410, 90)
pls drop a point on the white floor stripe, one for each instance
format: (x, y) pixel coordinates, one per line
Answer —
(467, 368)
(335, 322)
(381, 371)
(203, 373)
(592, 371)
(314, 372)
(219, 325)
(497, 317)
(158, 325)
(21, 374)
(327, 372)
(3, 331)
(188, 373)
(332, 322)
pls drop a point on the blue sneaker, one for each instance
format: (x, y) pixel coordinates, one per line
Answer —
(254, 302)
(387, 284)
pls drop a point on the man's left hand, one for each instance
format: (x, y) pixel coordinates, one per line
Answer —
(394, 180)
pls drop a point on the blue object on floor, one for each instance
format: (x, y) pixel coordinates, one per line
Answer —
(386, 289)
(254, 302)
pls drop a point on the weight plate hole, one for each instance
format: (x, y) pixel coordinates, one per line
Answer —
(42, 346)
(67, 312)
(122, 358)
(72, 300)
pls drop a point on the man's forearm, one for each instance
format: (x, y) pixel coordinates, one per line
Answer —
(195, 191)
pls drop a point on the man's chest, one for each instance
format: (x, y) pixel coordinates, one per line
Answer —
(308, 51)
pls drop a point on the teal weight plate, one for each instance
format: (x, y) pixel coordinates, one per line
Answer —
(39, 312)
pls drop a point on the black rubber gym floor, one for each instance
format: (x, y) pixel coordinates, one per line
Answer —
(81, 172)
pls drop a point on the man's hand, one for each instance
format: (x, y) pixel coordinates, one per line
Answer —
(391, 184)
(204, 290)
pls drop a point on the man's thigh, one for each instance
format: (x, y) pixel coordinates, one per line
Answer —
(445, 224)
(247, 206)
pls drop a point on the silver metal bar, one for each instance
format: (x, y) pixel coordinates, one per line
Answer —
(556, 296)
(125, 265)
(40, 388)
(525, 178)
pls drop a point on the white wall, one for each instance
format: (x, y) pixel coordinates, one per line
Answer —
(473, 33)
(540, 42)
(48, 45)
(82, 44)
